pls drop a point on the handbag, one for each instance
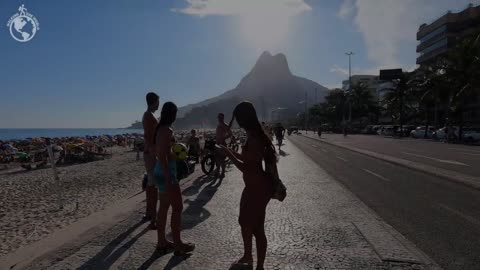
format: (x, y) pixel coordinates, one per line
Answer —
(279, 190)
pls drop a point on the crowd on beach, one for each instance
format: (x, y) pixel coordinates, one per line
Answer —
(32, 152)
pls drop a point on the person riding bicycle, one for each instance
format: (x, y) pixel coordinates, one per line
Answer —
(279, 132)
(193, 145)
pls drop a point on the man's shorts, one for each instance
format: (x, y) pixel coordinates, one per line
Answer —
(219, 155)
(150, 161)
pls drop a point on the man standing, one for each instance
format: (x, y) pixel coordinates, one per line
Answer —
(149, 125)
(279, 132)
(193, 145)
(223, 132)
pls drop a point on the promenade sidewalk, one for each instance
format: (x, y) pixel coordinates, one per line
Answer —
(319, 226)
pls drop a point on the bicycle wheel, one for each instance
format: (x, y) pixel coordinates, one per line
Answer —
(208, 164)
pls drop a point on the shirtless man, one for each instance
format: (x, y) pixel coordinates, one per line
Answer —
(222, 133)
(149, 126)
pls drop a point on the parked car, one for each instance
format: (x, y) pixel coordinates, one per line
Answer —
(370, 129)
(419, 132)
(388, 131)
(440, 134)
(407, 129)
(471, 135)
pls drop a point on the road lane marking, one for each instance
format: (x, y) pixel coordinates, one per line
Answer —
(470, 154)
(438, 160)
(341, 158)
(377, 175)
(460, 214)
(462, 149)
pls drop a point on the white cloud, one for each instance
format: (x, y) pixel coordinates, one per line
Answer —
(346, 9)
(263, 23)
(339, 70)
(389, 25)
(244, 7)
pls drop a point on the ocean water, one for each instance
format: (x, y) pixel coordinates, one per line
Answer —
(23, 133)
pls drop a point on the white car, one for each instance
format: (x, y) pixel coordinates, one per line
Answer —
(419, 132)
(471, 135)
(440, 134)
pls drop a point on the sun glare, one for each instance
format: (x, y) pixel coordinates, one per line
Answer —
(266, 24)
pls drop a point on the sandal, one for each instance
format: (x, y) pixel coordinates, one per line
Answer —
(241, 266)
(186, 248)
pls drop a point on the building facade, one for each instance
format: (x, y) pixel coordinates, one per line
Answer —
(373, 83)
(437, 38)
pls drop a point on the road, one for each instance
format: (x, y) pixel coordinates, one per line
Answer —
(440, 217)
(459, 158)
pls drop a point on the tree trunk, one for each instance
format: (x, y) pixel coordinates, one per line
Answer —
(435, 114)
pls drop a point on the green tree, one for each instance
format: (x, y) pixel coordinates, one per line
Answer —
(331, 110)
(364, 104)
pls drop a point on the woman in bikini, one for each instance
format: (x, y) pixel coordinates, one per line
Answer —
(167, 184)
(258, 183)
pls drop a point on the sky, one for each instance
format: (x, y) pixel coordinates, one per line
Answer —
(91, 62)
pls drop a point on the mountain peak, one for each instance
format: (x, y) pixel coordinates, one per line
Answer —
(272, 64)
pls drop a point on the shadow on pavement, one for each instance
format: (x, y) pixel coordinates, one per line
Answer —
(176, 260)
(196, 185)
(196, 213)
(105, 258)
(283, 153)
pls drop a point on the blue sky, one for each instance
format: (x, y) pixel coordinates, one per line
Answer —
(92, 61)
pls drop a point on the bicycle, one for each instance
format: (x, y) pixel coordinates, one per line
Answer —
(208, 158)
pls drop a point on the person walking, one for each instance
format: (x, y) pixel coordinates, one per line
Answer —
(167, 184)
(149, 124)
(258, 183)
(222, 133)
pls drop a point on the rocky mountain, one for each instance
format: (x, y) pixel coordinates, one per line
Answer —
(269, 85)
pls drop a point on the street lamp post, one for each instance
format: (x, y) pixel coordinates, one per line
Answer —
(349, 87)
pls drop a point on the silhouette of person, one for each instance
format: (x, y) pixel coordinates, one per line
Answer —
(258, 183)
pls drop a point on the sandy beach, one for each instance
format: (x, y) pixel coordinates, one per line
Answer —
(29, 200)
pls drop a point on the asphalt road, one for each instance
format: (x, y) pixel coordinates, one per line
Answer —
(440, 217)
(459, 158)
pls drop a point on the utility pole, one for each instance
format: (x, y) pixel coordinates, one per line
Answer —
(306, 114)
(349, 84)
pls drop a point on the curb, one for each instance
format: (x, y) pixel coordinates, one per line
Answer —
(466, 180)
